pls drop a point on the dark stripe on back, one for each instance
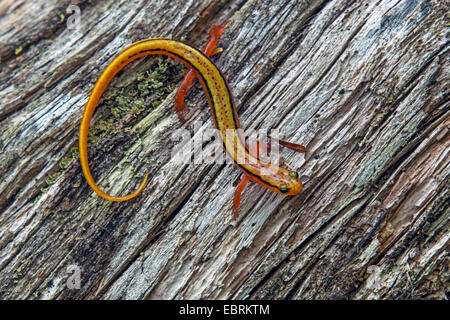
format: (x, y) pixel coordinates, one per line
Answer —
(210, 98)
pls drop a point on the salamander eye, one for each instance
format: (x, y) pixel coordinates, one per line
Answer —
(293, 175)
(284, 189)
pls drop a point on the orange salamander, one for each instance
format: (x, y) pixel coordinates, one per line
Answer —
(223, 110)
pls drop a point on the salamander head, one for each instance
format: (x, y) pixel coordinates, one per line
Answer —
(290, 183)
(282, 181)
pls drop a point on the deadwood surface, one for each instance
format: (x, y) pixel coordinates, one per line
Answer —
(362, 84)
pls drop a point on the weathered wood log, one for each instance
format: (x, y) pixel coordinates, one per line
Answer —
(362, 84)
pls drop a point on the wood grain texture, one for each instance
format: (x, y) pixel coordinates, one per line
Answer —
(362, 84)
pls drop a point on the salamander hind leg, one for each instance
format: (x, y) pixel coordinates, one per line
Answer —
(209, 50)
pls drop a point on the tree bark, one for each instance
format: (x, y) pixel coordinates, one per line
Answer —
(362, 84)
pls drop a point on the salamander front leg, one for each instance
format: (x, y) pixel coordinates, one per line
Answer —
(289, 145)
(259, 146)
(237, 196)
